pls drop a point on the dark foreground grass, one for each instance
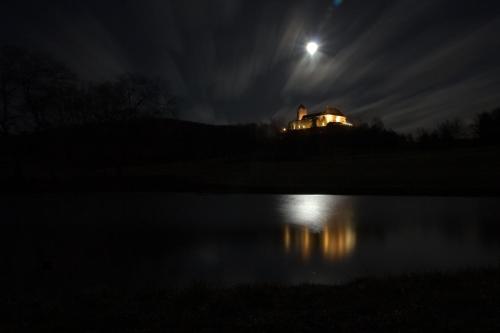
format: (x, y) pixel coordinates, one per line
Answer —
(459, 172)
(466, 301)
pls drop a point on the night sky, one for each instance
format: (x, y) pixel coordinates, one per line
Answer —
(411, 63)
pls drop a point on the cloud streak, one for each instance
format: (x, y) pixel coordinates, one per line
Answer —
(231, 61)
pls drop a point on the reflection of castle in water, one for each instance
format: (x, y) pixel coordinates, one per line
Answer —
(334, 243)
(333, 236)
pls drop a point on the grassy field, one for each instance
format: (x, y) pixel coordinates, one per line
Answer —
(459, 171)
(464, 301)
(462, 172)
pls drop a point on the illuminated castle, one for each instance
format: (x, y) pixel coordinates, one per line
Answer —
(322, 119)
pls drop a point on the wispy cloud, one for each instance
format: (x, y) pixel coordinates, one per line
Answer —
(409, 63)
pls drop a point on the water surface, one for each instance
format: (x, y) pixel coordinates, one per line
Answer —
(146, 239)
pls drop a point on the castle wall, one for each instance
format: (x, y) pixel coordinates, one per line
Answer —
(301, 124)
(320, 120)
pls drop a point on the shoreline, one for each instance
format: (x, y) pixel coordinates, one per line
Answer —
(465, 300)
(169, 185)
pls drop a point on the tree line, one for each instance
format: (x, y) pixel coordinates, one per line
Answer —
(485, 128)
(38, 92)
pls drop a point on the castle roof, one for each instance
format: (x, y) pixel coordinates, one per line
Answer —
(329, 110)
(333, 111)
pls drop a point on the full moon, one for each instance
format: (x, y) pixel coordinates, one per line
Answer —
(312, 48)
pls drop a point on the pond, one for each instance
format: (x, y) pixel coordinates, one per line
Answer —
(154, 239)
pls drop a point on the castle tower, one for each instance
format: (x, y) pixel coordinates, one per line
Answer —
(301, 112)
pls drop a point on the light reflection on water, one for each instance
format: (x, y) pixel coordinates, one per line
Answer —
(318, 225)
(334, 243)
(312, 211)
(175, 239)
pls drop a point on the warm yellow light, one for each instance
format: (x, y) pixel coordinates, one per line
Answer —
(288, 238)
(338, 242)
(326, 240)
(306, 243)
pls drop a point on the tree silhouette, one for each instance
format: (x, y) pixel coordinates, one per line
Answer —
(487, 126)
(10, 88)
(143, 97)
(131, 96)
(34, 90)
(451, 130)
(38, 92)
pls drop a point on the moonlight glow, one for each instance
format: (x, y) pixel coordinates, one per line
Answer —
(312, 48)
(311, 211)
